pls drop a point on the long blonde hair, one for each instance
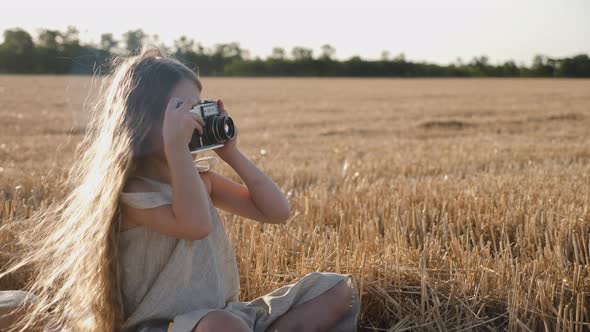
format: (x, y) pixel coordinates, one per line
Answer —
(71, 246)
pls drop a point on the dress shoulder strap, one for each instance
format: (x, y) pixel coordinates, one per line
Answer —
(148, 199)
(151, 199)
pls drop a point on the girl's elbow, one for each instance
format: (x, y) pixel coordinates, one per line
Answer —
(286, 215)
(201, 230)
(283, 215)
(200, 233)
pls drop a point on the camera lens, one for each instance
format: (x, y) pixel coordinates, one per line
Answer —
(228, 127)
(222, 128)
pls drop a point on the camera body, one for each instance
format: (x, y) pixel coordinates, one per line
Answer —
(217, 130)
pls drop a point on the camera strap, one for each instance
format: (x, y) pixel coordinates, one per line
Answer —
(206, 163)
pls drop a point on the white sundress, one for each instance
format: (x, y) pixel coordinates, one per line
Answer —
(169, 284)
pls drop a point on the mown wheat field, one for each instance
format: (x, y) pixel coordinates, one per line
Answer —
(457, 204)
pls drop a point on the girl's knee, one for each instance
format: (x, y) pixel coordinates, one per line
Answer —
(221, 321)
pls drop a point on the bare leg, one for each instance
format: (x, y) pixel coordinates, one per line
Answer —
(221, 321)
(318, 314)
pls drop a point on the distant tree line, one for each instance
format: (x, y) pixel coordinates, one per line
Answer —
(61, 52)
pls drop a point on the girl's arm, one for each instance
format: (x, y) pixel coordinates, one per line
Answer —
(190, 204)
(188, 216)
(260, 199)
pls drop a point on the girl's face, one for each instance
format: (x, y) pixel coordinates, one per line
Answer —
(185, 89)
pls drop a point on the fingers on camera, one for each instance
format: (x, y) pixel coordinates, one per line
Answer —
(198, 119)
(198, 127)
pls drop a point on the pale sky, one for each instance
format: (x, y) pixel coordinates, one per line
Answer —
(437, 31)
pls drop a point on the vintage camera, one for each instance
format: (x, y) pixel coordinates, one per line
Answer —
(217, 130)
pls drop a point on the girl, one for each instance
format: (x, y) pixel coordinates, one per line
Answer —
(138, 245)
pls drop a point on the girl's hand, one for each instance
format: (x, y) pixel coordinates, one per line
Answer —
(230, 146)
(179, 124)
